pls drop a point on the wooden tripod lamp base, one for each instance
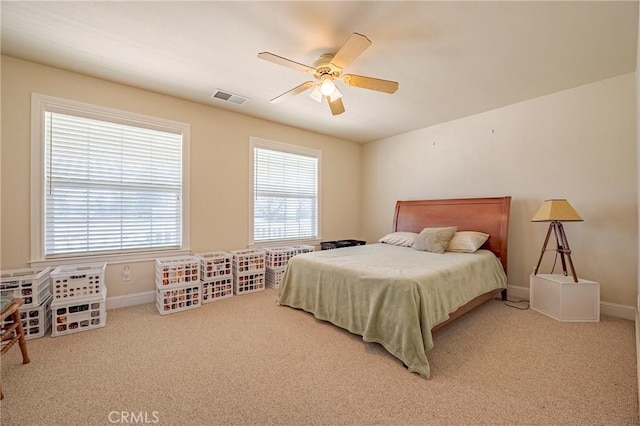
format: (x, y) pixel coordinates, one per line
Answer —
(557, 211)
(562, 249)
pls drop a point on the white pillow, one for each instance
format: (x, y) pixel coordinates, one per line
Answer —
(467, 241)
(404, 239)
(435, 240)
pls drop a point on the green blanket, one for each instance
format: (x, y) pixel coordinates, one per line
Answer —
(388, 294)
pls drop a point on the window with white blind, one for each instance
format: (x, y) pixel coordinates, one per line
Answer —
(285, 193)
(111, 183)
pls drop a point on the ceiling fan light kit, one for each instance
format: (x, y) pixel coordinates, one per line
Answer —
(327, 87)
(316, 93)
(327, 69)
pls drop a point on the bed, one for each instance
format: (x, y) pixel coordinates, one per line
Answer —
(398, 296)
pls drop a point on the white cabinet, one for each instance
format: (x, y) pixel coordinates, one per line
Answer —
(559, 297)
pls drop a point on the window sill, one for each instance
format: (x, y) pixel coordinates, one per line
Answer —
(111, 258)
(285, 243)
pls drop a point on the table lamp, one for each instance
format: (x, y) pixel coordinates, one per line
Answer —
(557, 211)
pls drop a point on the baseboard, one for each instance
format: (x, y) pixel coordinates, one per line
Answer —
(618, 311)
(606, 308)
(513, 292)
(116, 302)
(517, 293)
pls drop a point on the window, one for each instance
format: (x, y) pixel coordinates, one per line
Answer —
(285, 193)
(109, 182)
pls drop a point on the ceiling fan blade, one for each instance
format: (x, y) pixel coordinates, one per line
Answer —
(370, 83)
(286, 62)
(354, 46)
(296, 90)
(337, 107)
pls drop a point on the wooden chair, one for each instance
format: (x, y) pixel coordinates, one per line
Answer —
(14, 332)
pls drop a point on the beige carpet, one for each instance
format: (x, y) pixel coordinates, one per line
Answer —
(246, 361)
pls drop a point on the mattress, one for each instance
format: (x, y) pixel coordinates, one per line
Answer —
(388, 294)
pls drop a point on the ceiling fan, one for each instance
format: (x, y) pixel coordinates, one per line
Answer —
(329, 67)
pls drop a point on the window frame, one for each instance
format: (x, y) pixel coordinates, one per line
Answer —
(256, 142)
(40, 104)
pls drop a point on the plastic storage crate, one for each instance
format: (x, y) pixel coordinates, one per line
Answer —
(248, 261)
(248, 283)
(303, 249)
(217, 289)
(350, 243)
(36, 321)
(278, 257)
(31, 284)
(72, 316)
(329, 245)
(77, 282)
(214, 265)
(274, 276)
(177, 271)
(171, 300)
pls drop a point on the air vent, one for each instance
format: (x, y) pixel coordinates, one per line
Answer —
(223, 96)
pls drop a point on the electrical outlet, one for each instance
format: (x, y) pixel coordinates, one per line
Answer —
(126, 273)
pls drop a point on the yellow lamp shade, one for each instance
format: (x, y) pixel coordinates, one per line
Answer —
(556, 210)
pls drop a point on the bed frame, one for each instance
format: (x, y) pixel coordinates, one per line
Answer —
(488, 215)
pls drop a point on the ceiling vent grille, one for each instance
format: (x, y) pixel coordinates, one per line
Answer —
(224, 96)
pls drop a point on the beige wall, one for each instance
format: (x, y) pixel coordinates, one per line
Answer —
(578, 144)
(638, 175)
(638, 179)
(219, 165)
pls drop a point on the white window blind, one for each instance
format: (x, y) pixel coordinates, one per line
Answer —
(110, 187)
(285, 195)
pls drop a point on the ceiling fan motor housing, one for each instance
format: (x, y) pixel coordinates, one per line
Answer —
(324, 67)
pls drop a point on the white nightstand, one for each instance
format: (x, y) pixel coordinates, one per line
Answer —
(557, 296)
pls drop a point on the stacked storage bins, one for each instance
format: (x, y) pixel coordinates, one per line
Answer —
(248, 270)
(34, 287)
(303, 249)
(276, 260)
(79, 298)
(178, 285)
(215, 275)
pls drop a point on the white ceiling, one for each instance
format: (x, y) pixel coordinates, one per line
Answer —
(452, 59)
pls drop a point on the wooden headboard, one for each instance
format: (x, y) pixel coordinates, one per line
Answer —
(488, 215)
